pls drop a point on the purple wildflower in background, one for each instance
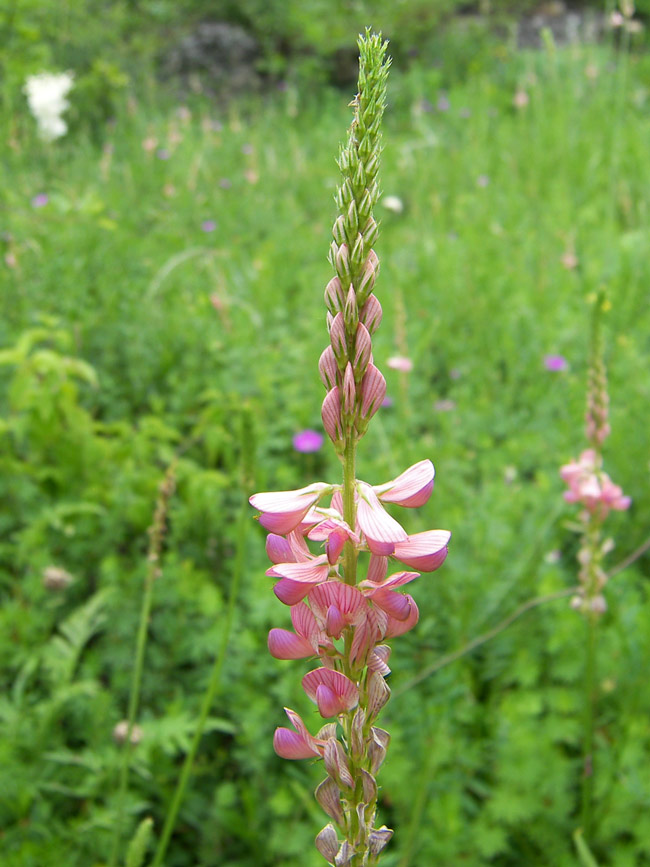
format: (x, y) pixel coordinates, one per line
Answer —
(443, 103)
(247, 148)
(387, 401)
(163, 154)
(555, 363)
(40, 200)
(225, 183)
(483, 180)
(307, 441)
(208, 226)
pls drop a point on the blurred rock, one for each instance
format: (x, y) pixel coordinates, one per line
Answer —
(223, 56)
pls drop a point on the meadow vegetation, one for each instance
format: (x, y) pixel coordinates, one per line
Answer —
(161, 302)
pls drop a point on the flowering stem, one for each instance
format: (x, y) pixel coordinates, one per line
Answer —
(588, 742)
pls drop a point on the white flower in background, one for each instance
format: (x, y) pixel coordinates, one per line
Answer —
(46, 95)
(394, 204)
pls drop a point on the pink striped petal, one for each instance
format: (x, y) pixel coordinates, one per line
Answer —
(396, 580)
(426, 551)
(381, 531)
(305, 624)
(291, 592)
(412, 488)
(278, 549)
(334, 622)
(396, 627)
(373, 391)
(347, 599)
(287, 645)
(338, 683)
(396, 605)
(282, 511)
(311, 572)
(329, 703)
(377, 569)
(378, 659)
(291, 745)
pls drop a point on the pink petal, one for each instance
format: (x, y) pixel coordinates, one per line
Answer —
(311, 571)
(412, 488)
(396, 627)
(331, 414)
(396, 605)
(347, 599)
(287, 645)
(291, 592)
(334, 622)
(278, 549)
(335, 681)
(305, 624)
(426, 551)
(282, 511)
(373, 391)
(381, 531)
(396, 580)
(377, 569)
(291, 745)
(378, 660)
(329, 703)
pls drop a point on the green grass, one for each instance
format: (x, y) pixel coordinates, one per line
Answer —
(184, 327)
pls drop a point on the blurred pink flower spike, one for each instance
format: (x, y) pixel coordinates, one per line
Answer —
(381, 531)
(299, 744)
(299, 645)
(333, 692)
(401, 363)
(282, 511)
(591, 486)
(411, 489)
(424, 551)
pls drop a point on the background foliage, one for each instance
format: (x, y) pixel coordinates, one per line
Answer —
(169, 287)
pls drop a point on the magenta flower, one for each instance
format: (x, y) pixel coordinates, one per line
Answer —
(298, 744)
(412, 488)
(333, 692)
(555, 363)
(40, 200)
(399, 362)
(307, 441)
(208, 226)
(592, 487)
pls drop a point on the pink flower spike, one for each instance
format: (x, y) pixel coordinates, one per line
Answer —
(332, 691)
(399, 627)
(412, 488)
(425, 551)
(381, 531)
(396, 605)
(401, 363)
(282, 511)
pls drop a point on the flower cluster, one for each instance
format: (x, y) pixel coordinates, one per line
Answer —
(590, 486)
(46, 95)
(345, 626)
(339, 617)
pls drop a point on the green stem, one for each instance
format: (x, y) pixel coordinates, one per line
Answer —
(134, 700)
(588, 741)
(210, 692)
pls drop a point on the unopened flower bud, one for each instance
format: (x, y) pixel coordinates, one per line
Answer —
(339, 341)
(371, 314)
(369, 788)
(328, 796)
(336, 764)
(377, 748)
(351, 311)
(338, 230)
(370, 233)
(358, 251)
(327, 843)
(368, 277)
(121, 730)
(328, 368)
(362, 351)
(359, 178)
(342, 265)
(334, 296)
(372, 167)
(378, 693)
(373, 391)
(356, 735)
(365, 207)
(331, 415)
(351, 222)
(349, 391)
(378, 839)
